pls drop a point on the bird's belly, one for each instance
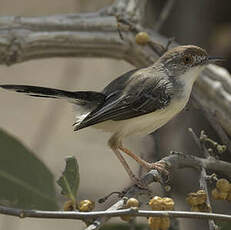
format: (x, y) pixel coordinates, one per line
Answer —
(145, 124)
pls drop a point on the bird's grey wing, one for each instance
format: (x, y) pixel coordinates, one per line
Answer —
(147, 95)
(119, 83)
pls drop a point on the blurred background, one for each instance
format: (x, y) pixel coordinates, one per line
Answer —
(45, 126)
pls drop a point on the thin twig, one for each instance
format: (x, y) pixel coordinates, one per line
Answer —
(195, 138)
(204, 186)
(156, 47)
(174, 161)
(115, 213)
(203, 175)
(170, 41)
(164, 14)
(211, 117)
(220, 131)
(132, 191)
(179, 160)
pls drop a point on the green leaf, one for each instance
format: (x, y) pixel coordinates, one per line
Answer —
(25, 181)
(69, 181)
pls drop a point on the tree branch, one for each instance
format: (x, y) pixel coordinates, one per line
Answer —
(164, 14)
(172, 162)
(212, 93)
(133, 212)
(203, 176)
(180, 160)
(95, 35)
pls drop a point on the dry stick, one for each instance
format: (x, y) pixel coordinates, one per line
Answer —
(215, 124)
(164, 14)
(220, 131)
(115, 213)
(24, 38)
(178, 160)
(174, 161)
(203, 176)
(203, 185)
(132, 191)
(156, 48)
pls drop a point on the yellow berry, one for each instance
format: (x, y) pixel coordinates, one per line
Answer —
(132, 202)
(223, 185)
(223, 195)
(168, 203)
(196, 198)
(218, 195)
(125, 217)
(204, 208)
(165, 223)
(156, 203)
(201, 196)
(154, 222)
(192, 199)
(142, 38)
(86, 206)
(195, 209)
(215, 194)
(201, 208)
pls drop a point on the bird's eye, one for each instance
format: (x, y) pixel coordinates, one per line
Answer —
(187, 59)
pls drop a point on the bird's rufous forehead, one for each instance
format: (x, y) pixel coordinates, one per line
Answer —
(184, 50)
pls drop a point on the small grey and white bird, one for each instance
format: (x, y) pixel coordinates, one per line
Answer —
(136, 103)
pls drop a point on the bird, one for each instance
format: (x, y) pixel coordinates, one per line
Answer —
(136, 103)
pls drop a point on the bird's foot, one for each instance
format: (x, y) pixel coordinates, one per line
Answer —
(160, 167)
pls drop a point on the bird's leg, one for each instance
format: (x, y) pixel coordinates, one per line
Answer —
(126, 166)
(143, 163)
(114, 143)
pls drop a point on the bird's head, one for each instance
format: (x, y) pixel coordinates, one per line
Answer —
(186, 59)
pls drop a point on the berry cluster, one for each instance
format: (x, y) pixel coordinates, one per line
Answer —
(222, 190)
(158, 203)
(198, 201)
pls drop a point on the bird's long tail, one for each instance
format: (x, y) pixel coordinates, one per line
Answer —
(78, 97)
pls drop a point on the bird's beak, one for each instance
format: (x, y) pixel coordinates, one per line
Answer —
(215, 59)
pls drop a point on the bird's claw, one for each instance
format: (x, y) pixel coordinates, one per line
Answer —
(160, 167)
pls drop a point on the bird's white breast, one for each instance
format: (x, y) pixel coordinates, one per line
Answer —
(145, 124)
